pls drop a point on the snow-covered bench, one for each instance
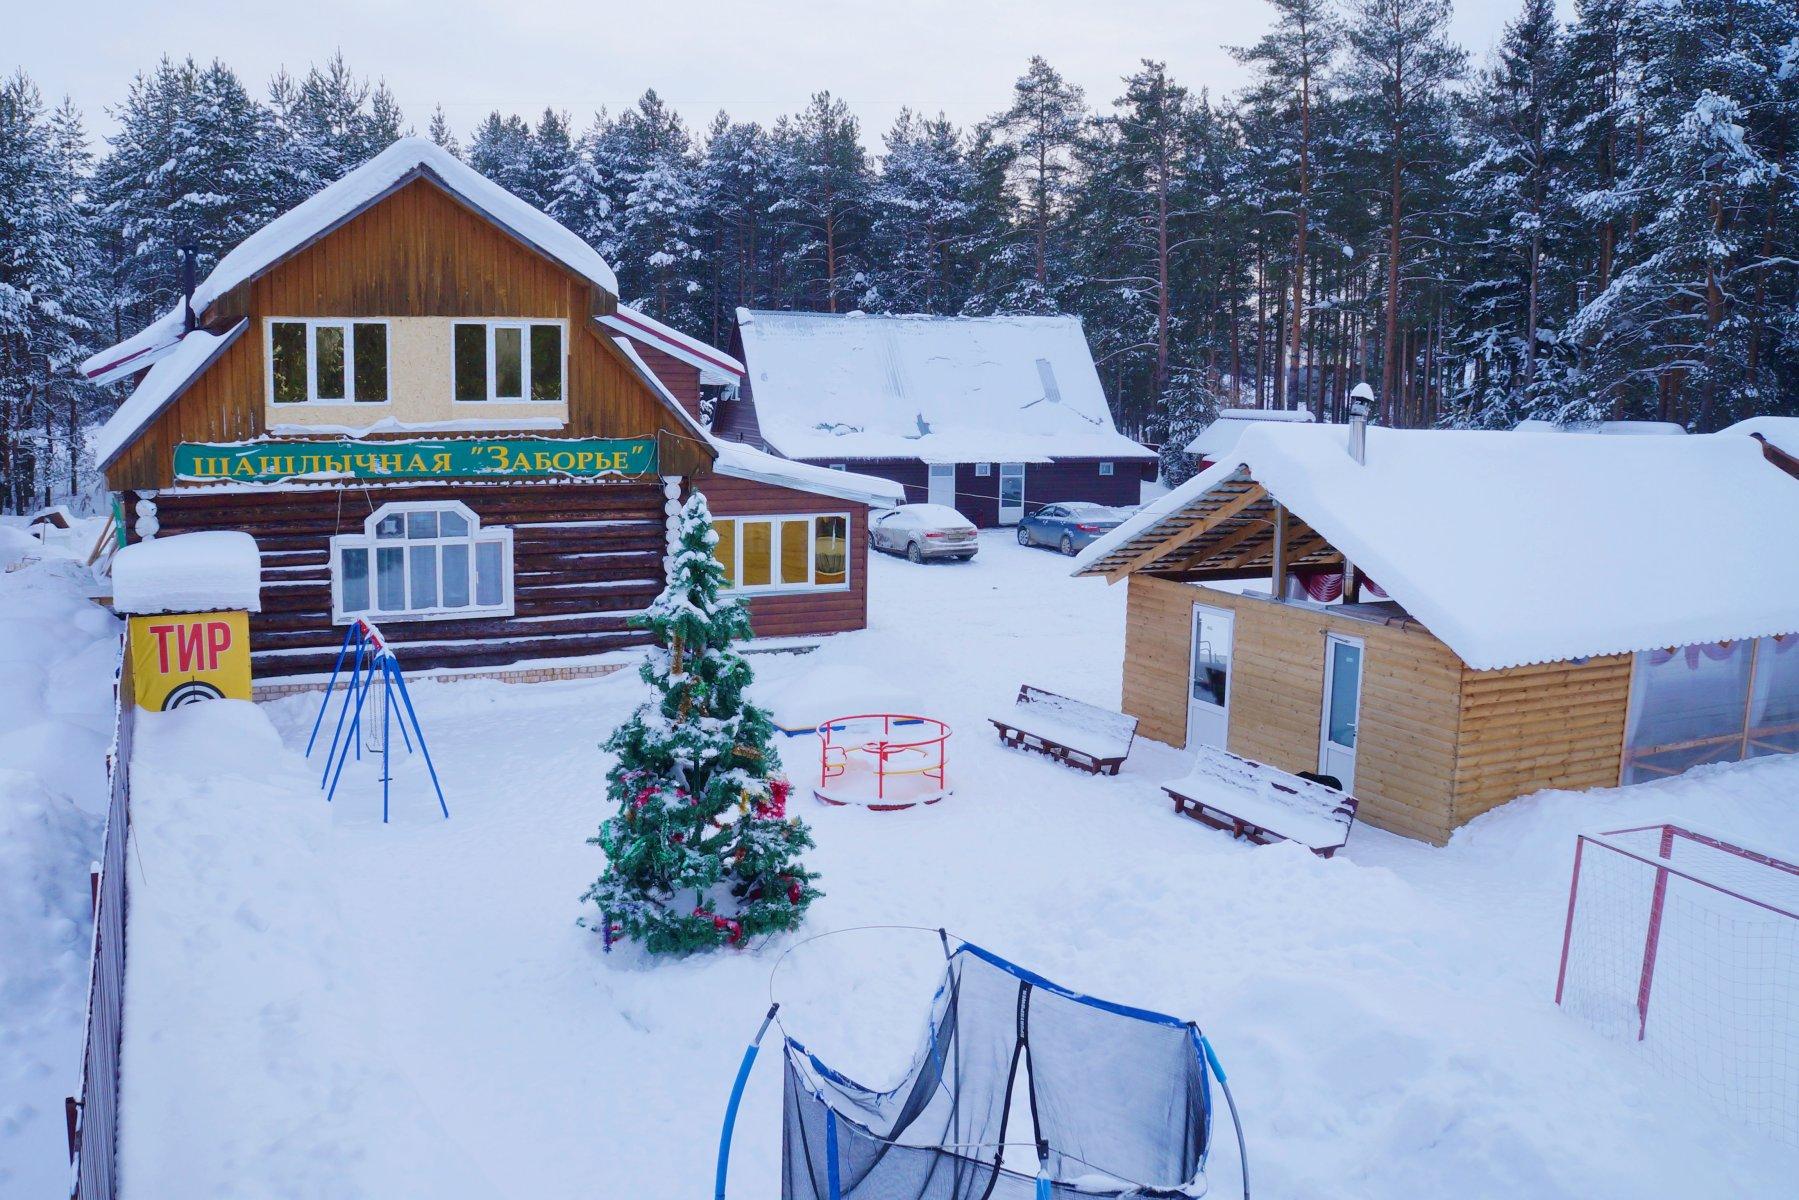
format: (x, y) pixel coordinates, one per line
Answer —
(1252, 800)
(1077, 734)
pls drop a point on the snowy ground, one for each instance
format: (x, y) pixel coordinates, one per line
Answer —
(323, 1006)
(57, 655)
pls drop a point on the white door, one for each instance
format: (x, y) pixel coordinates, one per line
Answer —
(1209, 675)
(1011, 493)
(943, 484)
(1342, 708)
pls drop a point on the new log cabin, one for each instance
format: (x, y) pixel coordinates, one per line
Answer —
(424, 400)
(1447, 620)
(994, 416)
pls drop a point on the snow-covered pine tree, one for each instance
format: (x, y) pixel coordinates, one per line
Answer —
(1513, 296)
(658, 218)
(734, 198)
(1695, 327)
(439, 132)
(552, 153)
(700, 852)
(586, 197)
(824, 180)
(1040, 131)
(919, 236)
(194, 162)
(330, 123)
(501, 149)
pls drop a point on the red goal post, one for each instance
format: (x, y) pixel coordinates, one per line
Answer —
(1689, 945)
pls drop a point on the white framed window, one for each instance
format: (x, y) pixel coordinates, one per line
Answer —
(421, 560)
(508, 361)
(1105, 468)
(805, 552)
(327, 361)
(983, 469)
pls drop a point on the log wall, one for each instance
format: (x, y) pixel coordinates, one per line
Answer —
(1410, 712)
(586, 556)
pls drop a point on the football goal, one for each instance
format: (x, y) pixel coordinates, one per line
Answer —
(1689, 946)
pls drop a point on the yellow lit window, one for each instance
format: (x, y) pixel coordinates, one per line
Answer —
(726, 550)
(830, 551)
(758, 554)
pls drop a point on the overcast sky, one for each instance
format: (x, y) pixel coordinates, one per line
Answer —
(755, 58)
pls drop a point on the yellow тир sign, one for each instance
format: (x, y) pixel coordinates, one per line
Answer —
(181, 658)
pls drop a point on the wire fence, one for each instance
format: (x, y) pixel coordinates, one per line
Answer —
(1688, 945)
(93, 1118)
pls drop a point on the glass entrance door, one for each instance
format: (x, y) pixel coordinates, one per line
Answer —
(1209, 687)
(942, 488)
(1342, 709)
(1011, 493)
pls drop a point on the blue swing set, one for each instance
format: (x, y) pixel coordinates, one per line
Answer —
(371, 662)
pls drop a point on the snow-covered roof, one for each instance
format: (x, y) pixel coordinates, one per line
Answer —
(209, 571)
(1781, 432)
(941, 389)
(1613, 428)
(746, 462)
(1517, 548)
(330, 207)
(1221, 435)
(715, 366)
(161, 387)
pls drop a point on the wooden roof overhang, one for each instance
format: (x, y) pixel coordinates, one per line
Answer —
(1235, 530)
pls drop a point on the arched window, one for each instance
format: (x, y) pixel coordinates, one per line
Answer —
(421, 560)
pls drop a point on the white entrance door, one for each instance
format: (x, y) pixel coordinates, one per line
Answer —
(943, 485)
(1011, 493)
(1209, 689)
(1342, 708)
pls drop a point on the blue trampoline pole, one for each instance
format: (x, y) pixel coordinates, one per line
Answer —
(1218, 1070)
(743, 1077)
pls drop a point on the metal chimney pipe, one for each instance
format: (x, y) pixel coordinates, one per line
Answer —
(1361, 403)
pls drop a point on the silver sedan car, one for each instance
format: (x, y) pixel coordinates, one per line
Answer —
(922, 532)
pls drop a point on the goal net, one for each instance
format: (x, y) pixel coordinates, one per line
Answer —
(1689, 946)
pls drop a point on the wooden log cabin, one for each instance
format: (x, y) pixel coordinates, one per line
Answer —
(424, 400)
(1447, 620)
(993, 416)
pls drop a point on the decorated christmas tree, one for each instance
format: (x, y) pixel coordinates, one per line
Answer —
(701, 852)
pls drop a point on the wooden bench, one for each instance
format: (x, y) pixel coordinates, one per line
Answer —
(1071, 732)
(1253, 800)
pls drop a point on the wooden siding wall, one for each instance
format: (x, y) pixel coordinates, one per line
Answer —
(1523, 729)
(683, 379)
(799, 614)
(1406, 753)
(419, 252)
(585, 557)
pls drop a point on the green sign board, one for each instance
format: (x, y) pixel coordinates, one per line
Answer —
(447, 458)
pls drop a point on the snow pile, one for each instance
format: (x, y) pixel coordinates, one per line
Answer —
(381, 1002)
(58, 652)
(943, 389)
(214, 570)
(1534, 547)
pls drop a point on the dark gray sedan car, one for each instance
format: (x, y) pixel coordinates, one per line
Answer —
(1069, 527)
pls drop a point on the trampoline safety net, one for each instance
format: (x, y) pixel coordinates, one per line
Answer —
(1019, 1078)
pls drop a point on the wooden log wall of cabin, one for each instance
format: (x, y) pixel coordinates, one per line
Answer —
(417, 252)
(587, 555)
